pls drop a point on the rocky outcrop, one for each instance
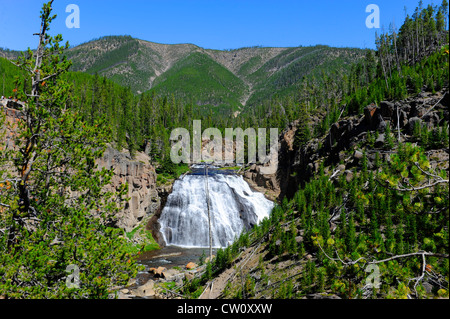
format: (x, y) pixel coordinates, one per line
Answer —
(152, 225)
(144, 199)
(143, 196)
(339, 148)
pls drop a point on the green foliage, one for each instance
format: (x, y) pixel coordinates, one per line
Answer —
(199, 78)
(8, 74)
(55, 210)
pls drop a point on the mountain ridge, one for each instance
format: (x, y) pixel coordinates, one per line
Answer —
(258, 73)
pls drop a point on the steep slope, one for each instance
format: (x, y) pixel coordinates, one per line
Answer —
(200, 79)
(116, 58)
(231, 78)
(283, 73)
(234, 78)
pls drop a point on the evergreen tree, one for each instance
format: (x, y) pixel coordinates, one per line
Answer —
(57, 213)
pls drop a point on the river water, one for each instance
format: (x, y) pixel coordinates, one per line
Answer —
(233, 205)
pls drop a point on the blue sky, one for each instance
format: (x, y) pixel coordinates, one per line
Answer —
(213, 24)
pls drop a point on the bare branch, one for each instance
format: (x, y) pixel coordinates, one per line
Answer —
(428, 173)
(424, 262)
(420, 253)
(434, 105)
(420, 187)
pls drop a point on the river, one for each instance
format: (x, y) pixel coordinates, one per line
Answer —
(233, 205)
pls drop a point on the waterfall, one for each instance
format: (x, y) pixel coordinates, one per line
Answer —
(234, 206)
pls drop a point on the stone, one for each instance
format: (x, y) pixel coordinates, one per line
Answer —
(417, 110)
(170, 274)
(249, 175)
(122, 296)
(412, 123)
(146, 290)
(379, 142)
(358, 155)
(131, 282)
(141, 179)
(341, 167)
(432, 119)
(380, 124)
(387, 109)
(299, 239)
(428, 287)
(335, 131)
(348, 176)
(189, 275)
(191, 265)
(158, 272)
(370, 113)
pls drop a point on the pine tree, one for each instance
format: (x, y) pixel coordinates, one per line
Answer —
(56, 212)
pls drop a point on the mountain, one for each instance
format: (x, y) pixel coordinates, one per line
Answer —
(234, 78)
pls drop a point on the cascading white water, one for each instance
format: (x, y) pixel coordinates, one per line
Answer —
(233, 208)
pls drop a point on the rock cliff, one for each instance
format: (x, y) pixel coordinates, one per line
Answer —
(141, 178)
(340, 146)
(144, 199)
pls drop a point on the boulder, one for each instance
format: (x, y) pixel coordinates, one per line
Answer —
(428, 287)
(146, 290)
(348, 176)
(358, 155)
(370, 114)
(335, 131)
(191, 265)
(387, 109)
(412, 123)
(432, 119)
(189, 276)
(170, 274)
(379, 142)
(380, 124)
(13, 104)
(157, 272)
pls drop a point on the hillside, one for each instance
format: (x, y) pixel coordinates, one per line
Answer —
(369, 195)
(233, 78)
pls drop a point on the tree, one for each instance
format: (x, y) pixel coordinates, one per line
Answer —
(56, 211)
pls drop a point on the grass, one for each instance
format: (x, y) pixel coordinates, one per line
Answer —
(148, 242)
(234, 168)
(165, 178)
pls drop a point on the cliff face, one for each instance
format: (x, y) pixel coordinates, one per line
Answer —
(141, 178)
(137, 172)
(340, 147)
